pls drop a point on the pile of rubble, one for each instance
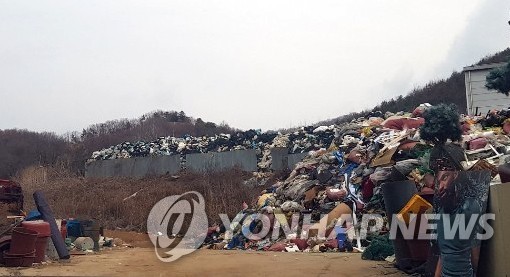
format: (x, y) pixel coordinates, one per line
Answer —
(345, 177)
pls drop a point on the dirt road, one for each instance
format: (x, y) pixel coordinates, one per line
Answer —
(141, 261)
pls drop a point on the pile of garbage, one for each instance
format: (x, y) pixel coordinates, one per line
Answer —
(345, 178)
(301, 141)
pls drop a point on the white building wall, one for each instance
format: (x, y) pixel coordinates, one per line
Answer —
(477, 96)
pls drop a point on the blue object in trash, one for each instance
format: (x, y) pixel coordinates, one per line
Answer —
(74, 228)
(236, 242)
(339, 157)
(33, 215)
(341, 237)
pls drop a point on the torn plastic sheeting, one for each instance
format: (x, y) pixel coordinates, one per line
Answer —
(349, 169)
(291, 206)
(380, 174)
(406, 166)
(296, 190)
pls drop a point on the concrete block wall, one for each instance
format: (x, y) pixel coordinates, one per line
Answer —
(245, 159)
(162, 165)
(293, 159)
(281, 159)
(134, 167)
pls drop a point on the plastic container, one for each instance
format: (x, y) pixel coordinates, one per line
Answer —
(44, 232)
(7, 253)
(40, 226)
(23, 241)
(341, 237)
(416, 205)
(92, 229)
(18, 260)
(5, 244)
(74, 229)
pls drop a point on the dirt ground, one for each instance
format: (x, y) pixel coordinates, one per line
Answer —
(141, 261)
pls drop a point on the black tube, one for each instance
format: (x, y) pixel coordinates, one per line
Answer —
(396, 195)
(47, 215)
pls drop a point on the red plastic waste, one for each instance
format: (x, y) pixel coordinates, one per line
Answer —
(477, 143)
(277, 247)
(5, 244)
(506, 127)
(18, 260)
(44, 232)
(335, 194)
(23, 241)
(302, 244)
(403, 123)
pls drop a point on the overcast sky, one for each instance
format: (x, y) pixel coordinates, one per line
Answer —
(254, 64)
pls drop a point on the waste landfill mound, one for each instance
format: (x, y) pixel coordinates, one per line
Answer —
(346, 177)
(301, 141)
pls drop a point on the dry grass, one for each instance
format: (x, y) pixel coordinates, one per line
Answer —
(103, 199)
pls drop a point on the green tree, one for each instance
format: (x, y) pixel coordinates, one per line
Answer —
(499, 79)
(442, 122)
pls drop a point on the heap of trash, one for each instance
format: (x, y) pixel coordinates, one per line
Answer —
(345, 178)
(301, 141)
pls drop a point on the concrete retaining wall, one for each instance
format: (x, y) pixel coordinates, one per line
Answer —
(162, 165)
(134, 167)
(245, 159)
(281, 159)
(293, 159)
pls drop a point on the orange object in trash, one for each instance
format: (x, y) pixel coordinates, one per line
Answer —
(416, 205)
